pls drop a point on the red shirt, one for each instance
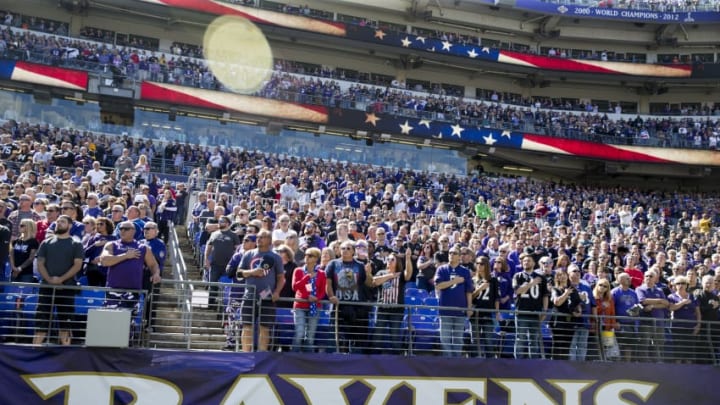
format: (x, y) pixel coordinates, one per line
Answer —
(300, 283)
(636, 276)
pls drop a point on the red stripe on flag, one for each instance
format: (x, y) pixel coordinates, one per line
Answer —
(545, 62)
(210, 7)
(594, 150)
(76, 78)
(152, 91)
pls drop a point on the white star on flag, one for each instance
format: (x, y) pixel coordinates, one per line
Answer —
(457, 130)
(405, 128)
(406, 42)
(425, 122)
(489, 140)
(420, 39)
(486, 49)
(431, 49)
(446, 46)
(506, 133)
(472, 53)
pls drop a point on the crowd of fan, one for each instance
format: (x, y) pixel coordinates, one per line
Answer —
(389, 214)
(603, 231)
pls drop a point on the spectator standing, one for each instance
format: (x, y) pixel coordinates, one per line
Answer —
(579, 343)
(652, 323)
(263, 272)
(23, 252)
(347, 276)
(686, 319)
(454, 288)
(485, 301)
(391, 282)
(625, 299)
(309, 284)
(218, 251)
(59, 258)
(531, 294)
(709, 303)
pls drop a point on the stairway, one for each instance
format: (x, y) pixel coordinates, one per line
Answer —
(176, 325)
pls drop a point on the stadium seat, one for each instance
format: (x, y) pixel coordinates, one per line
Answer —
(89, 299)
(284, 327)
(425, 332)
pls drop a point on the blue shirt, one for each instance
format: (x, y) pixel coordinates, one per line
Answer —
(456, 295)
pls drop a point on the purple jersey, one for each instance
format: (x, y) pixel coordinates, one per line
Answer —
(128, 273)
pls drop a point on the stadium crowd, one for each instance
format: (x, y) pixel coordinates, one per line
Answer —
(538, 245)
(582, 120)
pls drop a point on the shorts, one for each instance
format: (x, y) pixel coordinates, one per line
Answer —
(251, 311)
(62, 301)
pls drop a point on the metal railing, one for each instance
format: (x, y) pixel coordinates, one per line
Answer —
(195, 315)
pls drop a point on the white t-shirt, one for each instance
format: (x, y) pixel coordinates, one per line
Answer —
(96, 176)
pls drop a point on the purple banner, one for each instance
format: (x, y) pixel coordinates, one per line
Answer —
(78, 376)
(610, 13)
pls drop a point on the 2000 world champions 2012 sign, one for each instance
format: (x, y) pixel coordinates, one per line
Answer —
(579, 11)
(78, 376)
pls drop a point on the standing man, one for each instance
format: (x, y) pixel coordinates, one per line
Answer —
(625, 300)
(159, 252)
(531, 294)
(124, 259)
(652, 318)
(346, 278)
(218, 251)
(5, 235)
(579, 344)
(454, 287)
(263, 271)
(59, 258)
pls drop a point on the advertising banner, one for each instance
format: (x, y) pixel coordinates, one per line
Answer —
(76, 376)
(623, 14)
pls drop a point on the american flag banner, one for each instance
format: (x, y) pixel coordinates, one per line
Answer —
(490, 137)
(422, 128)
(224, 101)
(428, 45)
(257, 15)
(43, 75)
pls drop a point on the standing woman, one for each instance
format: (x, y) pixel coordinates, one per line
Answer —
(487, 306)
(93, 247)
(23, 252)
(567, 302)
(309, 284)
(605, 307)
(685, 322)
(289, 266)
(391, 282)
(426, 268)
(142, 169)
(166, 210)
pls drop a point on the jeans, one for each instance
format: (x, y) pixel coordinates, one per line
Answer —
(452, 330)
(527, 337)
(305, 327)
(484, 334)
(652, 340)
(388, 330)
(579, 344)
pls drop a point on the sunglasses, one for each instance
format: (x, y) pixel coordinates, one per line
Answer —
(149, 228)
(126, 229)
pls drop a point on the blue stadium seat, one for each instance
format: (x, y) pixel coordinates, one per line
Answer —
(425, 332)
(284, 326)
(325, 334)
(416, 292)
(89, 299)
(83, 280)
